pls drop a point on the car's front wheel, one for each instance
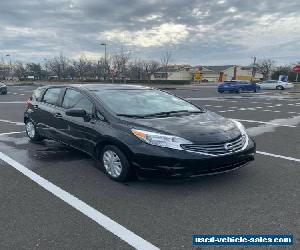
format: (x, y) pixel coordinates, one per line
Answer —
(279, 87)
(31, 132)
(115, 163)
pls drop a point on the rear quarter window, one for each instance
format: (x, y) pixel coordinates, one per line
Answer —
(51, 95)
(37, 94)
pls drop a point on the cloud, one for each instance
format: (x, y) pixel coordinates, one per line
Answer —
(196, 31)
(167, 33)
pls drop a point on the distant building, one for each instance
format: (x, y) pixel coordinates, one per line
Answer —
(226, 73)
(173, 72)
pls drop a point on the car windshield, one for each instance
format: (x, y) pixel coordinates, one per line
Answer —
(143, 102)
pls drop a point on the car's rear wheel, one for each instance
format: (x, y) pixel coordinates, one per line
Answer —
(115, 163)
(238, 90)
(221, 91)
(279, 87)
(31, 132)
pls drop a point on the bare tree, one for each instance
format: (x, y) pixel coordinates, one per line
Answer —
(265, 67)
(151, 67)
(82, 67)
(20, 70)
(119, 65)
(165, 60)
(101, 68)
(58, 65)
(137, 70)
(35, 69)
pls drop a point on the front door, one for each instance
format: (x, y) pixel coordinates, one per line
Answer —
(79, 131)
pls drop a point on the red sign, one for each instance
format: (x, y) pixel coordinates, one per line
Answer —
(297, 69)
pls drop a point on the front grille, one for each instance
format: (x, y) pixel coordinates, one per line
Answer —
(218, 148)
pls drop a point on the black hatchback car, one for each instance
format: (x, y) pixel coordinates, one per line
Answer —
(138, 130)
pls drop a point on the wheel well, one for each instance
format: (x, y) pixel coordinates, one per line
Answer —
(100, 145)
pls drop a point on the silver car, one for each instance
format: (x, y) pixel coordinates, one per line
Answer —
(275, 84)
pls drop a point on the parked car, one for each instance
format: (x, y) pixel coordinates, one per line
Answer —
(138, 130)
(274, 84)
(237, 86)
(3, 89)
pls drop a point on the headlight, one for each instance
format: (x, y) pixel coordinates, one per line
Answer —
(161, 140)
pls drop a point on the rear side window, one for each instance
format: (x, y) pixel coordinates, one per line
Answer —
(51, 96)
(37, 94)
(75, 100)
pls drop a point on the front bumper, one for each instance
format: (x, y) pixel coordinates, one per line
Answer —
(164, 162)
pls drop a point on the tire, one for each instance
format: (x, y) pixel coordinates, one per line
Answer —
(118, 170)
(256, 90)
(31, 132)
(221, 91)
(238, 91)
(279, 87)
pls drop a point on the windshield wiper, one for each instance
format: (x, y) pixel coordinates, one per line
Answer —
(167, 113)
(162, 114)
(131, 116)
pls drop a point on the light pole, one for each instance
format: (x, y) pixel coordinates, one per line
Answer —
(105, 62)
(9, 64)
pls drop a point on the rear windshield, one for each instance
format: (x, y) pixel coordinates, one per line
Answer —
(142, 102)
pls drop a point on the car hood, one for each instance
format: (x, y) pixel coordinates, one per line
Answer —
(205, 127)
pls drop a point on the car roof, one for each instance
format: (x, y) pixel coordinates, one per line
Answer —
(236, 81)
(103, 86)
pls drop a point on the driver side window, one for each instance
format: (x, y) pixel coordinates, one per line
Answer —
(75, 100)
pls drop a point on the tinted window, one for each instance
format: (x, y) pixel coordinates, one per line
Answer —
(142, 102)
(51, 96)
(75, 100)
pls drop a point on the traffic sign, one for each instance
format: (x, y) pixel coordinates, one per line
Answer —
(296, 69)
(197, 76)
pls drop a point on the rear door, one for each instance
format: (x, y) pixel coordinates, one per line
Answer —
(249, 86)
(79, 131)
(47, 112)
(270, 84)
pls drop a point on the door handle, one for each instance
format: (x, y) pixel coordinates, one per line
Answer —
(57, 115)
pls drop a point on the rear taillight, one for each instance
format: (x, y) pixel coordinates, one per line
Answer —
(29, 102)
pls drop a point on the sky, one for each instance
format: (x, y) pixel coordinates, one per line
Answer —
(196, 32)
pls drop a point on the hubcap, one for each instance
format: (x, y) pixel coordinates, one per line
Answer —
(30, 129)
(112, 163)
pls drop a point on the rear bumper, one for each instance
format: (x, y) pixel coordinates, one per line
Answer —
(186, 164)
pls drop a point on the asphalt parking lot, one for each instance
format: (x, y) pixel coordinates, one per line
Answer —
(261, 198)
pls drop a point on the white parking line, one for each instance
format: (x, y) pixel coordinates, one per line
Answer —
(12, 133)
(16, 123)
(278, 156)
(270, 123)
(104, 221)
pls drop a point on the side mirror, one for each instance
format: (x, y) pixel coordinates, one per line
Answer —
(76, 112)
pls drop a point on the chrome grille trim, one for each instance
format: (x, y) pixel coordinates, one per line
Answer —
(218, 149)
